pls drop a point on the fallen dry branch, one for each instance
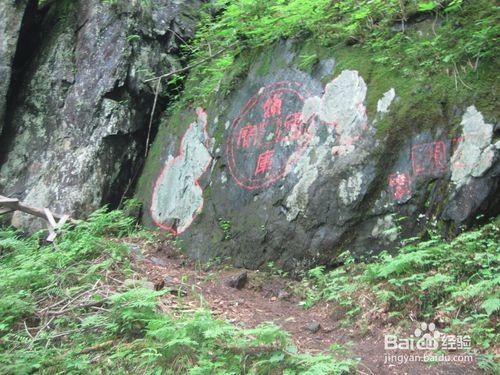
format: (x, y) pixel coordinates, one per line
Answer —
(8, 205)
(72, 299)
(13, 204)
(80, 306)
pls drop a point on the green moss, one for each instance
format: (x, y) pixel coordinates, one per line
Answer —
(424, 102)
(207, 192)
(219, 134)
(497, 221)
(265, 61)
(308, 53)
(427, 97)
(66, 11)
(378, 77)
(456, 34)
(430, 187)
(236, 72)
(308, 62)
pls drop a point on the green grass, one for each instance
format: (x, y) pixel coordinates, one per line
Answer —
(66, 308)
(47, 323)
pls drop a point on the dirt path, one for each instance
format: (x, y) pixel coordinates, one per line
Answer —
(265, 298)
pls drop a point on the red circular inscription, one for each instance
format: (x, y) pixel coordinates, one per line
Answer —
(268, 136)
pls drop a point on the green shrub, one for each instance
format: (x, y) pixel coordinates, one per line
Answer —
(460, 35)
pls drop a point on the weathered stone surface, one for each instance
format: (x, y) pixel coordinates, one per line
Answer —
(288, 167)
(313, 327)
(297, 173)
(77, 133)
(11, 16)
(385, 101)
(475, 171)
(135, 250)
(475, 153)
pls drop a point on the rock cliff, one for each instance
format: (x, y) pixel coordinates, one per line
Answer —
(77, 109)
(292, 166)
(11, 15)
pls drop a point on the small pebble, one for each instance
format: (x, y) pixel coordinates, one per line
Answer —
(313, 327)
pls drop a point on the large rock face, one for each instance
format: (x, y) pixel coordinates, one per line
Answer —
(289, 168)
(76, 131)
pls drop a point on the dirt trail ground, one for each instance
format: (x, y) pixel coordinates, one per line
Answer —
(266, 298)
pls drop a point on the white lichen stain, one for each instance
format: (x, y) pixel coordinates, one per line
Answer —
(385, 229)
(385, 101)
(178, 197)
(341, 106)
(475, 153)
(350, 188)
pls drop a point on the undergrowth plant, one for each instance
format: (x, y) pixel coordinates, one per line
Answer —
(455, 284)
(71, 308)
(461, 35)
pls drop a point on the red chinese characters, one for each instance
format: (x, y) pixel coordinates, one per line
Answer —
(400, 185)
(264, 162)
(429, 158)
(294, 127)
(248, 134)
(282, 129)
(272, 106)
(268, 136)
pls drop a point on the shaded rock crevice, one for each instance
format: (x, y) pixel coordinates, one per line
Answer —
(26, 47)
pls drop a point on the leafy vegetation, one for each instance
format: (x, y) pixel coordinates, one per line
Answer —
(458, 36)
(225, 226)
(71, 308)
(455, 284)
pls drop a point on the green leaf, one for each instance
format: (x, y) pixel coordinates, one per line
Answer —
(425, 7)
(491, 305)
(453, 6)
(435, 280)
(361, 13)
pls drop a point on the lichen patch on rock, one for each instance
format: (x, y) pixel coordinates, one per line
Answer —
(475, 153)
(177, 195)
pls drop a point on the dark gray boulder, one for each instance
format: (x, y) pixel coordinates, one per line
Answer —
(289, 168)
(237, 281)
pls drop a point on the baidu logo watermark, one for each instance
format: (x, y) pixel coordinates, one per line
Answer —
(426, 338)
